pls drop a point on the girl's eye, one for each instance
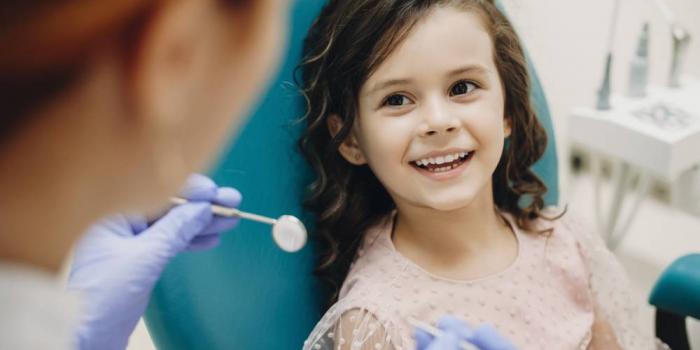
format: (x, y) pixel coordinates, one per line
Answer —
(395, 100)
(462, 88)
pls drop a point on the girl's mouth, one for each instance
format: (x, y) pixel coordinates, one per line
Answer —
(443, 167)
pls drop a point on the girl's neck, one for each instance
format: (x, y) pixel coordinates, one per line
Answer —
(454, 238)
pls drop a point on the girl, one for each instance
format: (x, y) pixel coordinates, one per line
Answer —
(410, 106)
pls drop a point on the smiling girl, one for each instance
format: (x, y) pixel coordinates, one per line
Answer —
(422, 134)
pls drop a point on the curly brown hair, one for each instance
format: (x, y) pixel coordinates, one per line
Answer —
(344, 46)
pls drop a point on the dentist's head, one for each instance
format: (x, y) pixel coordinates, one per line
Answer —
(109, 105)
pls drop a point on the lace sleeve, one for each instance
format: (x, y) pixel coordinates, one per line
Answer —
(616, 308)
(352, 328)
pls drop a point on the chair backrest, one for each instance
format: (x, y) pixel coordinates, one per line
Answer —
(247, 294)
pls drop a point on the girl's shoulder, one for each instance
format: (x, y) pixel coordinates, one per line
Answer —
(365, 315)
(375, 260)
(349, 324)
(368, 301)
(554, 234)
(562, 223)
(563, 226)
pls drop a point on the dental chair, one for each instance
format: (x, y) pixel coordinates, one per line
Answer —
(676, 296)
(247, 293)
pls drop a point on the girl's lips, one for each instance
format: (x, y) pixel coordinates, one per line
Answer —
(444, 175)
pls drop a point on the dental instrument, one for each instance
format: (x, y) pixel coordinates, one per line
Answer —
(288, 232)
(681, 41)
(639, 66)
(603, 102)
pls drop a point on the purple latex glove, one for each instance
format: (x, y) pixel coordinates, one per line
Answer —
(118, 262)
(485, 337)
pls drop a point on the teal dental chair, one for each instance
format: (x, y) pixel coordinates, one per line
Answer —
(677, 296)
(247, 293)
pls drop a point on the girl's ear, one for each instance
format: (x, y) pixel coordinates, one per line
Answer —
(349, 149)
(507, 126)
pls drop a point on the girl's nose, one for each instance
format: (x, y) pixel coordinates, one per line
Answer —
(439, 130)
(438, 121)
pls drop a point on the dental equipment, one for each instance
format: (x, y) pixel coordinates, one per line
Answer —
(681, 41)
(639, 67)
(288, 232)
(436, 332)
(603, 102)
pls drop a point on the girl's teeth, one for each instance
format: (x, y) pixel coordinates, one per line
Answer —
(442, 160)
(445, 168)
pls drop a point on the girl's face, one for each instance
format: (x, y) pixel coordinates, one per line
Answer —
(431, 120)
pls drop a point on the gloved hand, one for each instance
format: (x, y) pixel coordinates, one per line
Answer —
(118, 262)
(485, 337)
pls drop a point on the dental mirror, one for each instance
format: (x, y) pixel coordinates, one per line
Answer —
(288, 232)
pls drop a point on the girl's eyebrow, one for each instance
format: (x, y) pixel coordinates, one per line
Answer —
(472, 68)
(385, 84)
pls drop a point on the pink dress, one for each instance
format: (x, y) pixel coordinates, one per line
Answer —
(543, 300)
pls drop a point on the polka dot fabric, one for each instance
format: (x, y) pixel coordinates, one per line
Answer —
(546, 299)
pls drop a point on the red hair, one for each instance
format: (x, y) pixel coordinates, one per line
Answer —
(46, 44)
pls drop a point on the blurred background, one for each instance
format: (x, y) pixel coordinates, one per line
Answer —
(568, 42)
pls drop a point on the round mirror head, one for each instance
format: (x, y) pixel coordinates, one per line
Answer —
(289, 233)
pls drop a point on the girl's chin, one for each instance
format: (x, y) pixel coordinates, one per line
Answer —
(450, 204)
